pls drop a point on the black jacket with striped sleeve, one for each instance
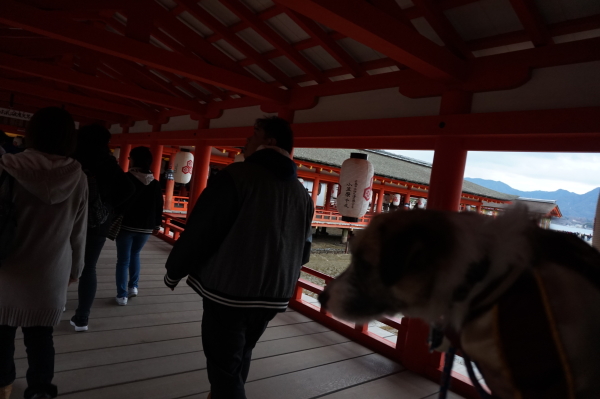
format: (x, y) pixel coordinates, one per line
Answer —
(247, 236)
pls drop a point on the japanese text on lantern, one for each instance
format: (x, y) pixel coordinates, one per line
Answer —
(348, 194)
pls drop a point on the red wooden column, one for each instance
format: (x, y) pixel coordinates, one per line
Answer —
(380, 200)
(157, 152)
(201, 166)
(315, 190)
(125, 149)
(328, 196)
(444, 194)
(170, 185)
(407, 197)
(124, 157)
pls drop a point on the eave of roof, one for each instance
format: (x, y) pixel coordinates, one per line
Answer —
(392, 166)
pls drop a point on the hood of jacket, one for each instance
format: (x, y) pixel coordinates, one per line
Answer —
(51, 178)
(145, 177)
(280, 165)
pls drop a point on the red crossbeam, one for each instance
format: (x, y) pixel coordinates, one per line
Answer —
(45, 23)
(374, 28)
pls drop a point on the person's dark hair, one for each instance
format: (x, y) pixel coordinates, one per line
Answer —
(92, 144)
(4, 138)
(142, 157)
(278, 129)
(52, 130)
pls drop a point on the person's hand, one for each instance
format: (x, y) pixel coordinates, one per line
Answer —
(73, 280)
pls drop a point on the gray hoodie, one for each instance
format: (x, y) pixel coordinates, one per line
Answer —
(50, 196)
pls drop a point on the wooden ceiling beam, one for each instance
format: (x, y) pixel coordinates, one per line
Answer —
(323, 39)
(45, 23)
(216, 26)
(103, 85)
(75, 99)
(532, 21)
(23, 99)
(242, 12)
(444, 29)
(374, 28)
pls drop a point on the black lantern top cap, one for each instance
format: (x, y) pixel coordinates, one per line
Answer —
(358, 155)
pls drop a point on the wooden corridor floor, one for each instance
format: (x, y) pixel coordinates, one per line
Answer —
(152, 349)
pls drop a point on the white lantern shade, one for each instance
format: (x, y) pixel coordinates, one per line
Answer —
(335, 191)
(396, 200)
(116, 153)
(356, 181)
(239, 158)
(421, 203)
(183, 165)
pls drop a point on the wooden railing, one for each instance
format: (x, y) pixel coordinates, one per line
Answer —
(178, 204)
(433, 363)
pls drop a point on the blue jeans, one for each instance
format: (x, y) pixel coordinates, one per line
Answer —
(129, 246)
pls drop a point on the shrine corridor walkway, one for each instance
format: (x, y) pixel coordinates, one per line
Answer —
(152, 349)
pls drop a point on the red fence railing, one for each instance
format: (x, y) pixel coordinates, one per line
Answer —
(173, 225)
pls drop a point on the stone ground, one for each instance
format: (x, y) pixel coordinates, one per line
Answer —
(327, 255)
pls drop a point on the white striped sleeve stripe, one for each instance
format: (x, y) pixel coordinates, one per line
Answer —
(170, 281)
(233, 303)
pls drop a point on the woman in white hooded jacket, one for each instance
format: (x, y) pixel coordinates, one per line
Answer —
(50, 197)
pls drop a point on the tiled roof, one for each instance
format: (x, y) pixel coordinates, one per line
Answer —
(391, 166)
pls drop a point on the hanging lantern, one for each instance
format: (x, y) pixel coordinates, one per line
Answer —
(335, 190)
(116, 153)
(356, 181)
(396, 200)
(183, 165)
(239, 158)
(422, 203)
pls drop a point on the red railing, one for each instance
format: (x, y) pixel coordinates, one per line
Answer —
(398, 351)
(179, 204)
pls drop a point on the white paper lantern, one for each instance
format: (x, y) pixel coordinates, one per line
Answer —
(396, 200)
(183, 165)
(356, 181)
(239, 158)
(421, 203)
(335, 191)
(116, 153)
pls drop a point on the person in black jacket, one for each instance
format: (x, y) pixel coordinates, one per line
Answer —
(109, 187)
(142, 216)
(242, 250)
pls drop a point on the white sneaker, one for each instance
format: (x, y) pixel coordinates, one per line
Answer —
(121, 301)
(131, 292)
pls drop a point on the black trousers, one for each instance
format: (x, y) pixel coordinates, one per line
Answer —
(88, 281)
(228, 336)
(40, 356)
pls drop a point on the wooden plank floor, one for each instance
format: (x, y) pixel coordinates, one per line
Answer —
(152, 349)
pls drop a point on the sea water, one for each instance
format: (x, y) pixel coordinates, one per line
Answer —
(571, 229)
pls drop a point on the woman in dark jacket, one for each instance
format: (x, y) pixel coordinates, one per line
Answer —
(109, 187)
(142, 216)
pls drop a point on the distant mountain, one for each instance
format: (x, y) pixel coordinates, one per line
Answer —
(571, 205)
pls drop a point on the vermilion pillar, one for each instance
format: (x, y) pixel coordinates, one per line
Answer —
(328, 196)
(170, 185)
(380, 200)
(449, 159)
(200, 172)
(315, 190)
(444, 194)
(157, 152)
(124, 157)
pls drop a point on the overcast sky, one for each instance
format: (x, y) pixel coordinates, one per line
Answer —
(528, 171)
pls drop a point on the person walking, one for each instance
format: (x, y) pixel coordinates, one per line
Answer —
(109, 187)
(49, 192)
(142, 216)
(242, 250)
